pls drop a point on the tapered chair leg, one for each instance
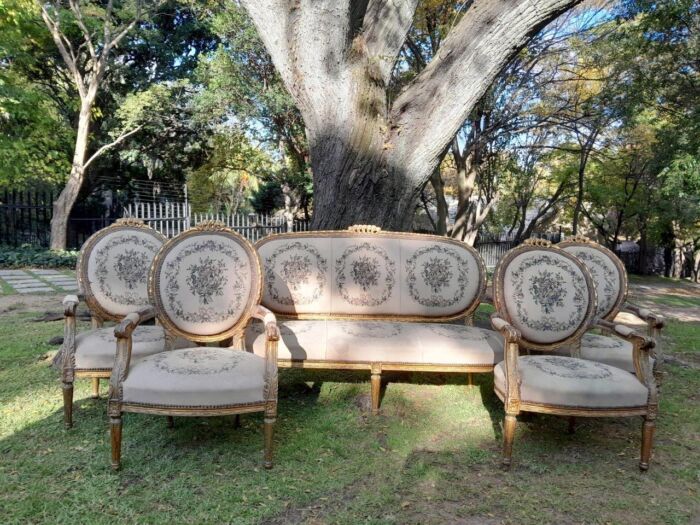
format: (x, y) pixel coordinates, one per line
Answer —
(115, 427)
(171, 421)
(269, 428)
(508, 436)
(68, 404)
(237, 421)
(647, 440)
(376, 386)
(95, 387)
(572, 424)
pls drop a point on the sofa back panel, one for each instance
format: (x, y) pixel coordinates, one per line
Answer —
(379, 275)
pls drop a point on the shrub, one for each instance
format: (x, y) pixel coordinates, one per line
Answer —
(28, 255)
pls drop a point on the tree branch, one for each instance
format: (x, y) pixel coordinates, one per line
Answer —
(115, 142)
(428, 113)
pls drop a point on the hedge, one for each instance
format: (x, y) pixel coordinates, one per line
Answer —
(31, 256)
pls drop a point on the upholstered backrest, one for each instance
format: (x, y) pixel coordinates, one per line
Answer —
(113, 267)
(205, 283)
(544, 292)
(370, 273)
(608, 272)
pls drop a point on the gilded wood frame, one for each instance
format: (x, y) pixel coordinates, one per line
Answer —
(117, 406)
(376, 367)
(514, 341)
(99, 314)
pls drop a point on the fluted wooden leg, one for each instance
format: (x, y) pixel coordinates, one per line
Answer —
(68, 404)
(171, 421)
(115, 427)
(470, 379)
(376, 384)
(269, 427)
(647, 440)
(95, 387)
(508, 436)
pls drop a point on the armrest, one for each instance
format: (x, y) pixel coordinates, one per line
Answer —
(270, 321)
(70, 304)
(511, 336)
(507, 330)
(272, 333)
(642, 345)
(127, 325)
(652, 319)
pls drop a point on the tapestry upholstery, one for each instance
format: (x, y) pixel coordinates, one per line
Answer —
(381, 341)
(343, 273)
(114, 269)
(570, 382)
(605, 273)
(545, 295)
(95, 349)
(196, 377)
(205, 282)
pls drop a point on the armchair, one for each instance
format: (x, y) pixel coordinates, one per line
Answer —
(545, 299)
(204, 285)
(112, 276)
(610, 279)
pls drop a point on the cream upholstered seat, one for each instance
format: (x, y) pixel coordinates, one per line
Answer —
(571, 382)
(545, 299)
(112, 275)
(203, 377)
(610, 279)
(204, 285)
(95, 349)
(385, 341)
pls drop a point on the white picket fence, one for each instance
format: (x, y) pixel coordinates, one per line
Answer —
(173, 218)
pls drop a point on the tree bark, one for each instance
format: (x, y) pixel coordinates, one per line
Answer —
(442, 210)
(370, 160)
(63, 205)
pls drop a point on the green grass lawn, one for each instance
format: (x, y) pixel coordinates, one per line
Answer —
(431, 457)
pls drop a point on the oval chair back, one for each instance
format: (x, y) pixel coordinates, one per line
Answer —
(113, 268)
(544, 292)
(205, 283)
(608, 274)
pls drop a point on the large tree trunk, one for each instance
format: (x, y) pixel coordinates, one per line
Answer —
(63, 205)
(370, 161)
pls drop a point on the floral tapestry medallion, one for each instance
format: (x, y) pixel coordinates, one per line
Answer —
(372, 272)
(217, 278)
(295, 274)
(121, 267)
(605, 277)
(570, 368)
(206, 279)
(437, 276)
(547, 289)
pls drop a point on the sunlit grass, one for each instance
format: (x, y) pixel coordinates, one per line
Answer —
(431, 457)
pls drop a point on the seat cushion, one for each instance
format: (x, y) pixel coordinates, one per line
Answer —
(196, 377)
(95, 349)
(612, 351)
(571, 382)
(381, 341)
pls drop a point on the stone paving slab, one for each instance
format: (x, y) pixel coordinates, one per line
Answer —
(6, 273)
(38, 281)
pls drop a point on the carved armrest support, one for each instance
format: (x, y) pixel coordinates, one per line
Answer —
(272, 334)
(65, 359)
(123, 332)
(511, 336)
